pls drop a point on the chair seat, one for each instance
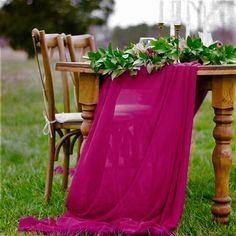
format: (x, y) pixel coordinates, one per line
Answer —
(69, 117)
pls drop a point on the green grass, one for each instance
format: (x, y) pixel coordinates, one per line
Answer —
(24, 153)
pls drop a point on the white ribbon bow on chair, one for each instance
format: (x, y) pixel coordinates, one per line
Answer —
(47, 128)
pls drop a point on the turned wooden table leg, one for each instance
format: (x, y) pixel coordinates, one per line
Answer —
(222, 160)
(88, 94)
(87, 115)
(222, 102)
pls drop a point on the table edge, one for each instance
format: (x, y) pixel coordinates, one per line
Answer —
(84, 67)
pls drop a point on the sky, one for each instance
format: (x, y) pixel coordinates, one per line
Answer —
(1, 2)
(133, 12)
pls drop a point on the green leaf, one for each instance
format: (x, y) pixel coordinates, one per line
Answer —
(117, 53)
(129, 51)
(107, 71)
(143, 55)
(161, 52)
(189, 41)
(102, 51)
(212, 46)
(161, 45)
(116, 73)
(138, 62)
(156, 59)
(108, 64)
(197, 43)
(125, 56)
(94, 55)
(110, 50)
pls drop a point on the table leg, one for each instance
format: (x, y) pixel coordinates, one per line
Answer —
(222, 102)
(222, 160)
(88, 94)
(87, 115)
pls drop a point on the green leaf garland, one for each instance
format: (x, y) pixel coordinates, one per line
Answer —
(158, 53)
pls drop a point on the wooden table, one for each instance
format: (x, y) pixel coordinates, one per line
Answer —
(221, 80)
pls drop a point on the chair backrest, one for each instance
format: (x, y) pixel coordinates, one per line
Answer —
(52, 48)
(78, 46)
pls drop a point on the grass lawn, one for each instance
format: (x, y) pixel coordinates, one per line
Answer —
(24, 154)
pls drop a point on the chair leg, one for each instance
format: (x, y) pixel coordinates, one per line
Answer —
(66, 164)
(50, 167)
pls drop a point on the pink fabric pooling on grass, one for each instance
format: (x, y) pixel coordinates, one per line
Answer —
(131, 176)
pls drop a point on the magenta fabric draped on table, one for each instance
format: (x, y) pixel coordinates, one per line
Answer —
(131, 176)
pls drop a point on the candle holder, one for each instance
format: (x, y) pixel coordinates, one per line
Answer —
(177, 30)
(177, 35)
(161, 29)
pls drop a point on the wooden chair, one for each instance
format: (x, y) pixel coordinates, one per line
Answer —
(78, 46)
(66, 123)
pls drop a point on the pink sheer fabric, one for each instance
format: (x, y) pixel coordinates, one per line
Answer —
(131, 176)
(59, 170)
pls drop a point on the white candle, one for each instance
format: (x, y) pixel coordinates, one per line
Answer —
(161, 5)
(204, 27)
(172, 22)
(172, 30)
(177, 11)
(188, 21)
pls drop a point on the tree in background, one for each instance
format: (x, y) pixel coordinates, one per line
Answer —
(123, 36)
(19, 17)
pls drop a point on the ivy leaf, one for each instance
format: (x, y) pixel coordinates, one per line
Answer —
(129, 51)
(102, 51)
(116, 73)
(212, 46)
(121, 60)
(143, 56)
(156, 59)
(161, 52)
(230, 51)
(137, 62)
(197, 43)
(94, 55)
(94, 66)
(117, 53)
(110, 50)
(161, 45)
(189, 41)
(125, 56)
(108, 64)
(107, 71)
